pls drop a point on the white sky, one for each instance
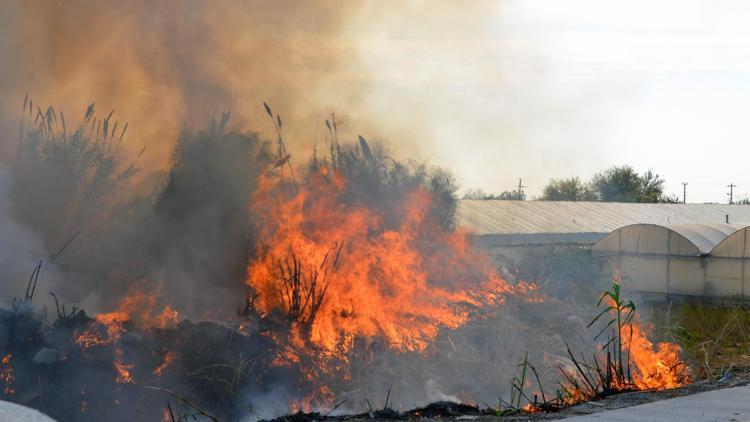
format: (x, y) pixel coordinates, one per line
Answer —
(540, 89)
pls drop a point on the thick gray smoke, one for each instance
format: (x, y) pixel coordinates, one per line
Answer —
(21, 248)
(188, 237)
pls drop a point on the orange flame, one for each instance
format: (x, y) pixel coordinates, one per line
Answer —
(341, 272)
(123, 373)
(138, 306)
(649, 367)
(398, 283)
(657, 367)
(166, 363)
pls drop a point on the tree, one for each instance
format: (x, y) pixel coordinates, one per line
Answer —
(624, 184)
(652, 187)
(570, 189)
(508, 195)
(669, 199)
(511, 195)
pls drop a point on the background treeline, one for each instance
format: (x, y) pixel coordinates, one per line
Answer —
(616, 184)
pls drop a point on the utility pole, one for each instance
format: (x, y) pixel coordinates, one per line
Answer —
(684, 192)
(731, 187)
(520, 189)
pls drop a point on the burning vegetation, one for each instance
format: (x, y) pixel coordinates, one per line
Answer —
(628, 360)
(347, 275)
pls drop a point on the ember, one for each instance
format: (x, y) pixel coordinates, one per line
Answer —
(6, 374)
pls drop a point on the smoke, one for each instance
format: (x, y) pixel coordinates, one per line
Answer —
(173, 63)
(202, 231)
(21, 249)
(455, 83)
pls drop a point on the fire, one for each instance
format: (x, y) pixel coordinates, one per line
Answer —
(341, 271)
(632, 361)
(339, 274)
(88, 338)
(166, 363)
(6, 374)
(138, 307)
(123, 369)
(657, 367)
(167, 318)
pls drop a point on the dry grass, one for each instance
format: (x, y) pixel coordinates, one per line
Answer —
(715, 337)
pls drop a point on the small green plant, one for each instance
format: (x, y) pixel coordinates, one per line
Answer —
(622, 312)
(611, 373)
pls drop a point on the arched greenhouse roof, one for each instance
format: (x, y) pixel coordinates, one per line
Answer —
(672, 239)
(736, 245)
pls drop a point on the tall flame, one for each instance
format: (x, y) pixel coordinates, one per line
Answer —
(400, 283)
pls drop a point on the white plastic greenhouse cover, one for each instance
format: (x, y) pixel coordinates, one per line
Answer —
(737, 245)
(702, 260)
(495, 217)
(673, 239)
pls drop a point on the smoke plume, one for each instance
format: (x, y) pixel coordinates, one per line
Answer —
(168, 64)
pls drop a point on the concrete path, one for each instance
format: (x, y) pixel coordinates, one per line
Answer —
(729, 404)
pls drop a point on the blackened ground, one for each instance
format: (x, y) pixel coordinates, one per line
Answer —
(214, 365)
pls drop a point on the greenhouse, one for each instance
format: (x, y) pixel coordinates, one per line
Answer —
(516, 230)
(708, 260)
